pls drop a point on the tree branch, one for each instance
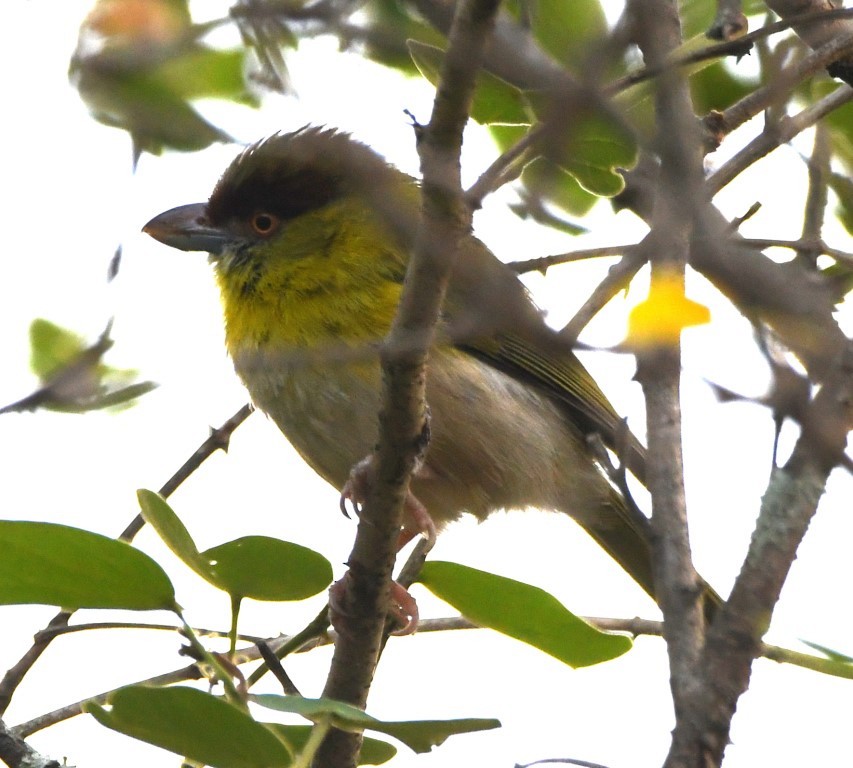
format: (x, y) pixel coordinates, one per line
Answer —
(777, 134)
(787, 508)
(679, 197)
(403, 421)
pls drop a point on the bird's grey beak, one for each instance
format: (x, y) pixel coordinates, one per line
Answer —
(187, 229)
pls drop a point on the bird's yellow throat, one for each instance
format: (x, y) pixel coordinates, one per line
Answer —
(331, 275)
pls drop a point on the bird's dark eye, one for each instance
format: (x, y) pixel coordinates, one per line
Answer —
(264, 223)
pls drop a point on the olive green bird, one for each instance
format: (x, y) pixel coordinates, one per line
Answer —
(309, 235)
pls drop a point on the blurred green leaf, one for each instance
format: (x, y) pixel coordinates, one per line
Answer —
(716, 87)
(373, 751)
(542, 184)
(154, 115)
(71, 568)
(597, 147)
(842, 185)
(556, 185)
(388, 26)
(74, 378)
(51, 347)
(192, 724)
(696, 16)
(522, 611)
(593, 150)
(419, 735)
(839, 120)
(206, 73)
(143, 68)
(567, 31)
(495, 100)
(258, 567)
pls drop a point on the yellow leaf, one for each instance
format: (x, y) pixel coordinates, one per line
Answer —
(660, 318)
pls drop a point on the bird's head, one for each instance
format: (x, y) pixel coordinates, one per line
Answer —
(299, 226)
(274, 182)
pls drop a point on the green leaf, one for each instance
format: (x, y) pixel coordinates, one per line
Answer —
(418, 735)
(193, 724)
(74, 378)
(567, 30)
(264, 568)
(207, 73)
(556, 185)
(495, 100)
(715, 87)
(522, 611)
(147, 92)
(160, 516)
(51, 347)
(373, 751)
(148, 110)
(258, 567)
(598, 181)
(592, 153)
(843, 188)
(71, 568)
(388, 23)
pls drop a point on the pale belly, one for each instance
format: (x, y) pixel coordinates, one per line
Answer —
(495, 443)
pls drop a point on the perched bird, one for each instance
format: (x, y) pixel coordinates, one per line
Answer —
(309, 235)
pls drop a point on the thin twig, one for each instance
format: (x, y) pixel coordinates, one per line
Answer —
(736, 47)
(544, 263)
(218, 440)
(787, 80)
(802, 245)
(617, 279)
(783, 132)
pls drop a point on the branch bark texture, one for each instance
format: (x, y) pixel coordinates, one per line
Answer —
(403, 421)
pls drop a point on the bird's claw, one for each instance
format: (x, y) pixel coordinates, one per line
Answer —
(417, 518)
(403, 608)
(357, 486)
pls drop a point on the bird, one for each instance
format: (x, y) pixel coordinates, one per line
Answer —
(309, 234)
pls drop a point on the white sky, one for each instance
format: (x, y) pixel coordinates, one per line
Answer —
(71, 198)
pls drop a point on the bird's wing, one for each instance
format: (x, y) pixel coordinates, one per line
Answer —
(557, 371)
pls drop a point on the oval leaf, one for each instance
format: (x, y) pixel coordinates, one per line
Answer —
(193, 724)
(522, 611)
(418, 735)
(71, 568)
(162, 518)
(259, 567)
(264, 568)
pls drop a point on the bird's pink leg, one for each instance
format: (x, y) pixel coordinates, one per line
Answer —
(417, 522)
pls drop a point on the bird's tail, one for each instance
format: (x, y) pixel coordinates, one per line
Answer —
(625, 534)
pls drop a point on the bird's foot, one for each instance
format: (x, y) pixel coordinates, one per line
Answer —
(416, 518)
(416, 521)
(403, 607)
